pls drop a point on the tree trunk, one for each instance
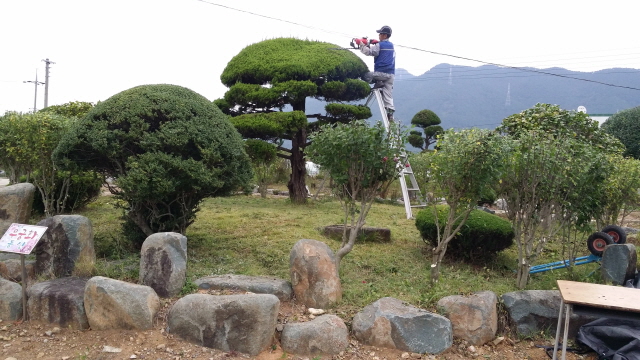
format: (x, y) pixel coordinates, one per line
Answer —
(523, 275)
(296, 185)
(139, 220)
(435, 266)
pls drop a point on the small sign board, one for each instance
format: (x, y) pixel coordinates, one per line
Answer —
(21, 238)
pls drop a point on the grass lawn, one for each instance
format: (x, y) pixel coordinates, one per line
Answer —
(253, 236)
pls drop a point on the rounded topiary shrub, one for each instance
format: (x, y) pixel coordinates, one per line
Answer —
(482, 234)
(166, 147)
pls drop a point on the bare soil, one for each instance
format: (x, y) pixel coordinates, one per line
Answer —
(35, 340)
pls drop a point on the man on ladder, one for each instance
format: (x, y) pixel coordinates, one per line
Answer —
(384, 69)
(383, 75)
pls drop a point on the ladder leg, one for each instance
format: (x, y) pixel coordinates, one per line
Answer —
(406, 169)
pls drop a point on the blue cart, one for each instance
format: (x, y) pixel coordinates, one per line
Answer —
(597, 242)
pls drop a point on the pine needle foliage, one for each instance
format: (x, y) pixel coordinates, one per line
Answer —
(284, 59)
(269, 76)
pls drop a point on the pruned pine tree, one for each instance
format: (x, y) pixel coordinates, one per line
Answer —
(269, 83)
(429, 123)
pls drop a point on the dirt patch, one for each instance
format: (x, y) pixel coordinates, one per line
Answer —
(34, 340)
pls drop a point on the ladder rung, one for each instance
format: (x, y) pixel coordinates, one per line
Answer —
(413, 189)
(417, 206)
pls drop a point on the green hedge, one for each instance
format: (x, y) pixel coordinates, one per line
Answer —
(483, 234)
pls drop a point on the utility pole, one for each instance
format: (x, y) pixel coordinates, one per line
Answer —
(46, 81)
(35, 96)
(508, 101)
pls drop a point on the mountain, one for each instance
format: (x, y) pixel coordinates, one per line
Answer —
(464, 96)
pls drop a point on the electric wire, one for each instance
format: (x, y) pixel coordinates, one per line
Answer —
(518, 68)
(426, 51)
(505, 75)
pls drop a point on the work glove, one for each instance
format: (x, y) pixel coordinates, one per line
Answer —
(362, 41)
(374, 41)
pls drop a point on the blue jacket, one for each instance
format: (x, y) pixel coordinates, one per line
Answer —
(386, 60)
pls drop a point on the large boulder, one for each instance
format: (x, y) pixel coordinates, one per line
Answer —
(163, 263)
(619, 263)
(314, 276)
(15, 204)
(474, 318)
(535, 311)
(391, 323)
(115, 304)
(59, 301)
(10, 300)
(324, 335)
(242, 323)
(67, 244)
(11, 269)
(255, 284)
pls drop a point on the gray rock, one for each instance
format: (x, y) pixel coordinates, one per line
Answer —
(314, 276)
(242, 323)
(115, 304)
(619, 263)
(9, 256)
(163, 263)
(535, 311)
(67, 244)
(324, 335)
(485, 209)
(255, 284)
(11, 269)
(366, 233)
(391, 323)
(501, 204)
(474, 318)
(15, 204)
(59, 301)
(10, 300)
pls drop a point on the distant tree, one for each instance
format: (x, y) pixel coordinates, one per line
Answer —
(26, 144)
(166, 147)
(466, 164)
(625, 126)
(362, 161)
(554, 182)
(429, 122)
(72, 109)
(559, 123)
(12, 158)
(263, 156)
(268, 76)
(621, 195)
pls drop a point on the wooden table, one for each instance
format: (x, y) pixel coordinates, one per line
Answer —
(594, 299)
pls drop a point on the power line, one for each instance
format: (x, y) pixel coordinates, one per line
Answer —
(423, 50)
(271, 17)
(517, 68)
(497, 75)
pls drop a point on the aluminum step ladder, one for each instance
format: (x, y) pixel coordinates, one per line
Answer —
(406, 172)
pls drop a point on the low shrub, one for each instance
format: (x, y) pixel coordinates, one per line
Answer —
(482, 235)
(84, 188)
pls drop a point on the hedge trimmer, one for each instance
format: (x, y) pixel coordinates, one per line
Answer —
(355, 43)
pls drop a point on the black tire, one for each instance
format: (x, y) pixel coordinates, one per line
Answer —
(617, 233)
(598, 241)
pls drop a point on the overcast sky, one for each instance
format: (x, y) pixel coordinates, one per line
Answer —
(103, 47)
